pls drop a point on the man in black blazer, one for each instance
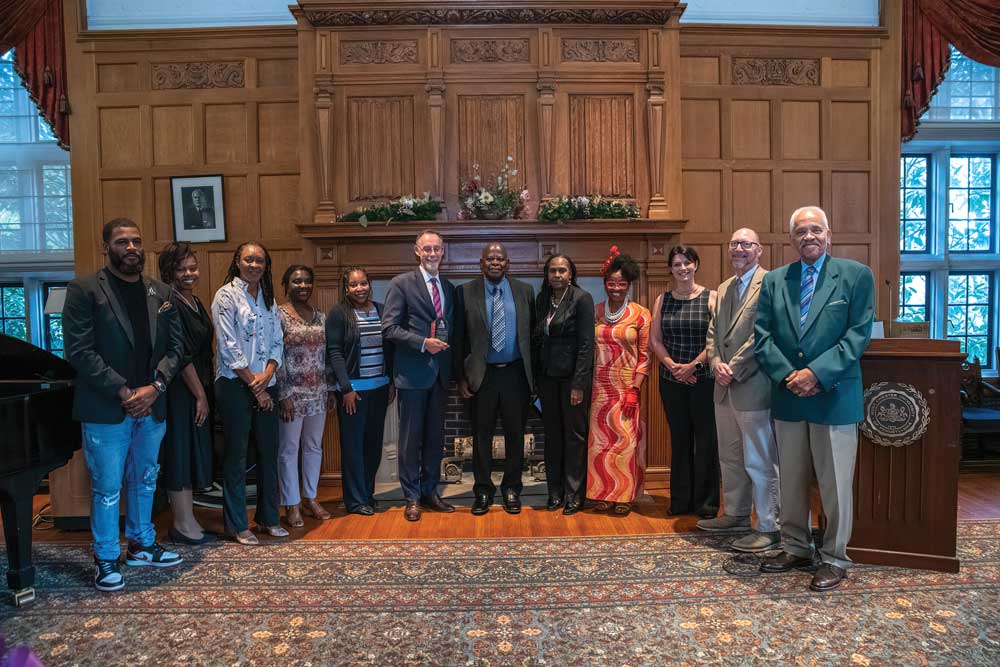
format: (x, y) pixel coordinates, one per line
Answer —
(123, 337)
(494, 317)
(418, 319)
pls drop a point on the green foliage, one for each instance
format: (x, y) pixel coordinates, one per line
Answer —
(561, 209)
(409, 209)
(492, 202)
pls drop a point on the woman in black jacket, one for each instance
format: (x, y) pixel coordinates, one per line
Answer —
(361, 363)
(563, 347)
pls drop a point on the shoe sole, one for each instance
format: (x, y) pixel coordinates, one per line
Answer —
(734, 529)
(110, 589)
(138, 563)
(828, 588)
(755, 550)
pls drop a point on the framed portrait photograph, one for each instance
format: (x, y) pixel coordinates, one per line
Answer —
(198, 211)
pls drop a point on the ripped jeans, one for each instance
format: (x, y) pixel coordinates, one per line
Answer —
(129, 448)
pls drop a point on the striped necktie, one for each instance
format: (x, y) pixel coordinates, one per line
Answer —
(437, 298)
(498, 328)
(806, 295)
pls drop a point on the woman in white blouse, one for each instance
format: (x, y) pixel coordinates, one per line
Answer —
(249, 349)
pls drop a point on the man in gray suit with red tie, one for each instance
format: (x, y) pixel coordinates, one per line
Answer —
(417, 319)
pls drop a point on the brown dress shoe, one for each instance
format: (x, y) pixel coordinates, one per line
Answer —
(412, 511)
(784, 562)
(828, 577)
(436, 504)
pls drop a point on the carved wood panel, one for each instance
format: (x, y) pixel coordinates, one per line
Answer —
(380, 147)
(491, 128)
(602, 145)
(194, 75)
(378, 52)
(600, 50)
(475, 51)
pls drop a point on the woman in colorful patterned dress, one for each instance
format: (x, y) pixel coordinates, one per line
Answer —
(302, 390)
(616, 449)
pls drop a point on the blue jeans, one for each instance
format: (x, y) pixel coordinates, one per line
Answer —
(129, 448)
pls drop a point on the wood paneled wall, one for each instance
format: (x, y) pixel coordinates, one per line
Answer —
(151, 105)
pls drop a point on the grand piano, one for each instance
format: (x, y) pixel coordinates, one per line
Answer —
(39, 435)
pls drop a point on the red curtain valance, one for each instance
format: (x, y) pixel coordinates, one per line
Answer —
(973, 26)
(34, 29)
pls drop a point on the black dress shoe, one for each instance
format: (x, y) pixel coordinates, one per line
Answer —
(436, 504)
(481, 505)
(412, 511)
(676, 510)
(572, 507)
(828, 577)
(512, 502)
(177, 537)
(784, 562)
(364, 510)
(553, 504)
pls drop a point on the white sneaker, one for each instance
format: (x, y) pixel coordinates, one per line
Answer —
(108, 575)
(154, 555)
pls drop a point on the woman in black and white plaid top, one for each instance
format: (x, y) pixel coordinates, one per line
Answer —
(680, 326)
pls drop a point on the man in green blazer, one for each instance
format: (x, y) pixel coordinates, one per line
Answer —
(814, 321)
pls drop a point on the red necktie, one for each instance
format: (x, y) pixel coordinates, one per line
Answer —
(437, 297)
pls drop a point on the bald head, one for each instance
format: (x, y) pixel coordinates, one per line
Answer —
(744, 250)
(494, 262)
(810, 232)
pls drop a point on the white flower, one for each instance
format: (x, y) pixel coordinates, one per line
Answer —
(510, 159)
(582, 201)
(407, 202)
(486, 198)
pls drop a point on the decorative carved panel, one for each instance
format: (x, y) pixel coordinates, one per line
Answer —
(466, 51)
(378, 52)
(602, 145)
(195, 75)
(380, 147)
(471, 16)
(776, 71)
(490, 127)
(600, 50)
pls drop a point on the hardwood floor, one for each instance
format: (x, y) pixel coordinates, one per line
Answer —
(978, 498)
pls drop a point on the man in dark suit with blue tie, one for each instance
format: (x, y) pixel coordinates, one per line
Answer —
(417, 319)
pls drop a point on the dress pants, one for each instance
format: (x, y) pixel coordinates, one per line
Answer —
(361, 445)
(504, 389)
(305, 435)
(694, 449)
(565, 439)
(748, 459)
(830, 451)
(236, 409)
(421, 440)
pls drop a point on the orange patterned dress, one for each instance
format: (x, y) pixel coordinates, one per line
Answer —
(616, 446)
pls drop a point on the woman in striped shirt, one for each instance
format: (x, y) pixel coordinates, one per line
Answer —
(362, 365)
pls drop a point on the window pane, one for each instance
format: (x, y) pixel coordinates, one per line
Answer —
(968, 92)
(16, 328)
(970, 203)
(913, 196)
(13, 302)
(913, 297)
(970, 301)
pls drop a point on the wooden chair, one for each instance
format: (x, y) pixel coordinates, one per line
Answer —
(980, 415)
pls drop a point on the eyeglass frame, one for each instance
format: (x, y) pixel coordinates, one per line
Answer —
(743, 245)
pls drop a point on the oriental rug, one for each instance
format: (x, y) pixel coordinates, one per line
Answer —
(600, 601)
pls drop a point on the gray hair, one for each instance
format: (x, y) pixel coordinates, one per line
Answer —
(820, 213)
(425, 232)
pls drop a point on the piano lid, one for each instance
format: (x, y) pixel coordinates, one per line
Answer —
(23, 361)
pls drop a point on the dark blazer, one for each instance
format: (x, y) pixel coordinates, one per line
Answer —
(567, 350)
(472, 337)
(343, 351)
(406, 322)
(836, 334)
(99, 341)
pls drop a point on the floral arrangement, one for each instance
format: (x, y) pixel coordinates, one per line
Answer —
(404, 208)
(562, 208)
(489, 202)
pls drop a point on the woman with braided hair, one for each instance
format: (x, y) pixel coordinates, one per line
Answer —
(616, 451)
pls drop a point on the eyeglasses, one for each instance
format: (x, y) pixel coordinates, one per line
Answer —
(746, 245)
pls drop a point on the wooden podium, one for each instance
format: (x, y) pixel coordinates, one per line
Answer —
(906, 489)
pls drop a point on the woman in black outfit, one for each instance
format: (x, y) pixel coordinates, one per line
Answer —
(187, 446)
(361, 362)
(563, 347)
(677, 338)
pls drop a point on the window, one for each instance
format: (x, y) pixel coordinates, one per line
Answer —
(13, 311)
(970, 191)
(969, 92)
(20, 122)
(914, 297)
(914, 194)
(53, 322)
(970, 301)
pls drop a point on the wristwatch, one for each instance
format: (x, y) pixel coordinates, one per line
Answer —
(698, 365)
(159, 385)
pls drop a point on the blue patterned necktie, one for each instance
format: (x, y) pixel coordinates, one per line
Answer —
(806, 295)
(498, 328)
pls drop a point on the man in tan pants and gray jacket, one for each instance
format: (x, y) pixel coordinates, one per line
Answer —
(748, 454)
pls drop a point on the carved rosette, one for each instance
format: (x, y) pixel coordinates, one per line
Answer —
(196, 75)
(467, 51)
(776, 71)
(470, 16)
(600, 50)
(378, 52)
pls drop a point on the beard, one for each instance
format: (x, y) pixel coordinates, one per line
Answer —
(119, 264)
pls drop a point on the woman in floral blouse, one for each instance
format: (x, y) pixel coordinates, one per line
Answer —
(302, 388)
